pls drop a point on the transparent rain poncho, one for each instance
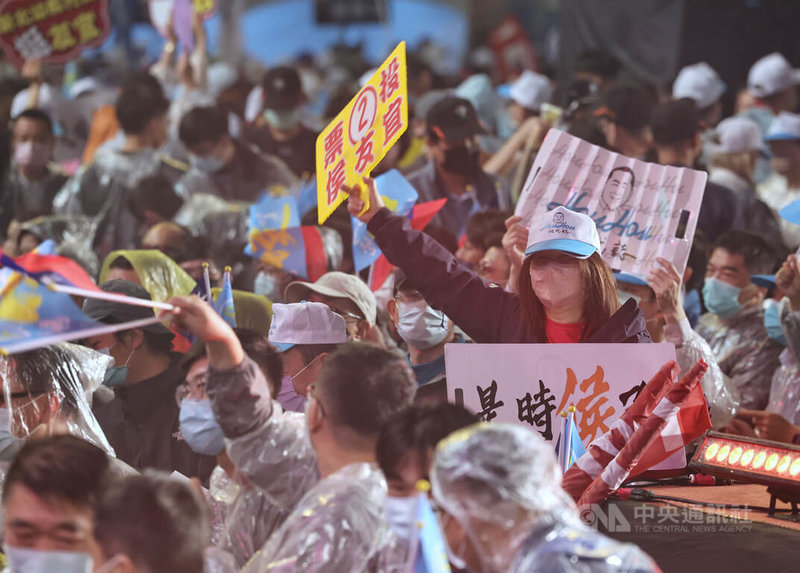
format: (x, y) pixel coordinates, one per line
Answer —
(784, 395)
(47, 391)
(71, 233)
(744, 352)
(160, 276)
(335, 523)
(721, 394)
(502, 484)
(102, 190)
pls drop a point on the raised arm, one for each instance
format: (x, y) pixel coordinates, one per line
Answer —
(269, 447)
(486, 314)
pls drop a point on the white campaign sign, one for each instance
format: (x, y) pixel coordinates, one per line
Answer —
(642, 210)
(532, 383)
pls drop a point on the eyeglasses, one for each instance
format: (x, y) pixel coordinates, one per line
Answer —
(194, 388)
(346, 314)
(408, 296)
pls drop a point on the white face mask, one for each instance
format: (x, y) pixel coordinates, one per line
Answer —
(556, 285)
(421, 326)
(267, 285)
(401, 513)
(22, 560)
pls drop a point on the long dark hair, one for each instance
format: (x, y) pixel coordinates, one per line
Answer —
(599, 303)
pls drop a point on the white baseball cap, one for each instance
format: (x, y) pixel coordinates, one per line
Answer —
(305, 323)
(564, 230)
(770, 75)
(738, 135)
(531, 90)
(700, 83)
(785, 126)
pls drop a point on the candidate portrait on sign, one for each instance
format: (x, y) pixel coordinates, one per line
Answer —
(618, 189)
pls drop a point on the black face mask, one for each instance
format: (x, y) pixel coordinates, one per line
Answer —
(461, 160)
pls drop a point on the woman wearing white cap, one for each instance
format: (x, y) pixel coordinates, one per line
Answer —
(567, 293)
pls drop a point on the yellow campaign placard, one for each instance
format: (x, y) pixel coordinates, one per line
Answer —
(358, 138)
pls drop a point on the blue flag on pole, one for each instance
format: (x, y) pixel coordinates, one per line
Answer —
(224, 303)
(399, 197)
(569, 447)
(432, 552)
(271, 213)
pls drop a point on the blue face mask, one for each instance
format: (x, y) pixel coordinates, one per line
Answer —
(721, 298)
(22, 560)
(269, 286)
(772, 321)
(199, 427)
(115, 375)
(208, 165)
(283, 119)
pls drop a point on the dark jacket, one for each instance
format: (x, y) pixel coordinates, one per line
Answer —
(246, 178)
(486, 314)
(142, 425)
(487, 192)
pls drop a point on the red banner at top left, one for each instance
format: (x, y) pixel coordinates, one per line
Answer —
(55, 31)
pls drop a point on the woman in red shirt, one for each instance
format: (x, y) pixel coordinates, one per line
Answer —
(566, 292)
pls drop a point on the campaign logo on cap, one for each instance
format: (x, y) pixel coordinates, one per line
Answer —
(305, 323)
(699, 82)
(771, 74)
(785, 127)
(566, 231)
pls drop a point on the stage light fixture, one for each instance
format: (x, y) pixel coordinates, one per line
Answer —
(752, 460)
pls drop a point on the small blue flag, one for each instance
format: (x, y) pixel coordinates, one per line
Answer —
(569, 447)
(271, 213)
(224, 303)
(432, 551)
(399, 197)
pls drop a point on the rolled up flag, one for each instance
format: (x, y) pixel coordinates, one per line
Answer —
(618, 469)
(602, 450)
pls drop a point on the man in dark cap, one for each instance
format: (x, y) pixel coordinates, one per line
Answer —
(141, 420)
(677, 137)
(453, 170)
(625, 119)
(283, 135)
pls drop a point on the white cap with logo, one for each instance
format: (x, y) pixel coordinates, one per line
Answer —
(531, 90)
(700, 83)
(785, 127)
(305, 323)
(771, 74)
(564, 230)
(738, 135)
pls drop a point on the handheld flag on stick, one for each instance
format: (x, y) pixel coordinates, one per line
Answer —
(399, 196)
(224, 303)
(207, 281)
(431, 552)
(33, 316)
(570, 447)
